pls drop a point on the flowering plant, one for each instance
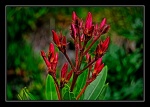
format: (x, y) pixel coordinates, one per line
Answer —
(87, 74)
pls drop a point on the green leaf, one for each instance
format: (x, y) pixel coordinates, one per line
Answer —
(81, 80)
(51, 93)
(25, 95)
(21, 95)
(29, 95)
(68, 95)
(65, 89)
(93, 90)
(103, 92)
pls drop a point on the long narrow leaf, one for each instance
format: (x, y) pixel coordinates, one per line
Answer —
(68, 95)
(31, 97)
(51, 93)
(93, 90)
(81, 81)
(103, 92)
(25, 95)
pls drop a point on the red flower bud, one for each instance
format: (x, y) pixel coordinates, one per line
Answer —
(100, 68)
(64, 70)
(105, 29)
(64, 41)
(43, 54)
(102, 47)
(105, 44)
(69, 76)
(51, 53)
(51, 57)
(51, 48)
(97, 64)
(73, 31)
(45, 59)
(102, 24)
(55, 61)
(56, 58)
(89, 28)
(88, 22)
(56, 39)
(74, 16)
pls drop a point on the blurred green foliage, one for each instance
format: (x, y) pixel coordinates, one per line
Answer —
(124, 58)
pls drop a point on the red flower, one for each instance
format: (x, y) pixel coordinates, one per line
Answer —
(55, 61)
(88, 25)
(98, 67)
(51, 54)
(52, 60)
(68, 76)
(102, 24)
(60, 41)
(64, 76)
(56, 38)
(74, 16)
(102, 47)
(105, 29)
(51, 48)
(64, 70)
(45, 59)
(73, 31)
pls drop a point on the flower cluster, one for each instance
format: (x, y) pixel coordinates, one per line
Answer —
(81, 34)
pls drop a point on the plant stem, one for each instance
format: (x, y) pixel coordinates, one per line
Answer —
(76, 55)
(91, 44)
(82, 91)
(57, 88)
(75, 76)
(72, 66)
(60, 90)
(89, 64)
(81, 55)
(79, 39)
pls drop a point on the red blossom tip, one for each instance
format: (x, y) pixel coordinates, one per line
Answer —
(51, 48)
(88, 22)
(97, 64)
(64, 70)
(43, 54)
(64, 41)
(105, 29)
(100, 68)
(69, 75)
(73, 31)
(106, 43)
(74, 16)
(45, 59)
(102, 24)
(56, 38)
